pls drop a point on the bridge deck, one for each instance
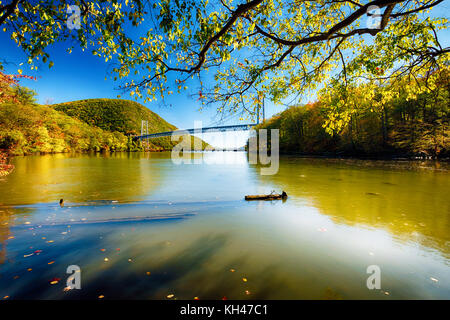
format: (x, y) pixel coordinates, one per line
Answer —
(238, 127)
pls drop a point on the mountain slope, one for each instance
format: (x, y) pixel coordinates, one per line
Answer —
(115, 115)
(120, 115)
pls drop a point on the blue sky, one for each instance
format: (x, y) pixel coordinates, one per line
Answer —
(80, 75)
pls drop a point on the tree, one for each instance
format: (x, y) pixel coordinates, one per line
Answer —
(276, 48)
(10, 91)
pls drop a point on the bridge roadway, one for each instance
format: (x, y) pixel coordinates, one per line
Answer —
(238, 127)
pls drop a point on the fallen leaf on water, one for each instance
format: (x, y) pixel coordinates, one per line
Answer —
(102, 250)
(5, 297)
(170, 296)
(50, 241)
(244, 279)
(129, 260)
(55, 280)
(27, 255)
(29, 269)
(232, 270)
(387, 293)
(106, 259)
(38, 251)
(43, 238)
(195, 298)
(147, 273)
(101, 296)
(434, 279)
(51, 262)
(247, 292)
(11, 237)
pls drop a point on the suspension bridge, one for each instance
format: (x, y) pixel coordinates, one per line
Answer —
(238, 127)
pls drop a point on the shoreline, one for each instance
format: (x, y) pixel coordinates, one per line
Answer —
(382, 157)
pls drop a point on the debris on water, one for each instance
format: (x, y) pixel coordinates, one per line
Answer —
(271, 196)
(434, 279)
(50, 241)
(170, 296)
(247, 292)
(29, 269)
(232, 270)
(11, 237)
(51, 262)
(129, 260)
(101, 296)
(38, 251)
(28, 255)
(102, 250)
(196, 298)
(54, 280)
(386, 293)
(6, 297)
(244, 279)
(148, 273)
(106, 259)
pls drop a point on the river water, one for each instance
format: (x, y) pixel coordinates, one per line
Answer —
(142, 227)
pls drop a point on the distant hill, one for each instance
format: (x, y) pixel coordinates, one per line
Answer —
(120, 115)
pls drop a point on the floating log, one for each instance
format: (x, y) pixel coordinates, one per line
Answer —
(272, 196)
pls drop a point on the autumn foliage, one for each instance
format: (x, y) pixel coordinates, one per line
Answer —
(401, 118)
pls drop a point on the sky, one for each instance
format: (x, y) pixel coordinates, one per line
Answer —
(80, 75)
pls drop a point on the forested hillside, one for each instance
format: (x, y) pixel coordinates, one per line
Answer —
(79, 126)
(406, 117)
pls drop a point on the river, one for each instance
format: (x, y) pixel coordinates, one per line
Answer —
(142, 227)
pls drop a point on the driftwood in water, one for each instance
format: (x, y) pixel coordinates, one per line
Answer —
(272, 196)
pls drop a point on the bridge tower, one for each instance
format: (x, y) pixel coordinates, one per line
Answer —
(144, 131)
(259, 112)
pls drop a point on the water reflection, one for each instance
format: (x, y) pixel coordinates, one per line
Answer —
(191, 234)
(80, 177)
(409, 199)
